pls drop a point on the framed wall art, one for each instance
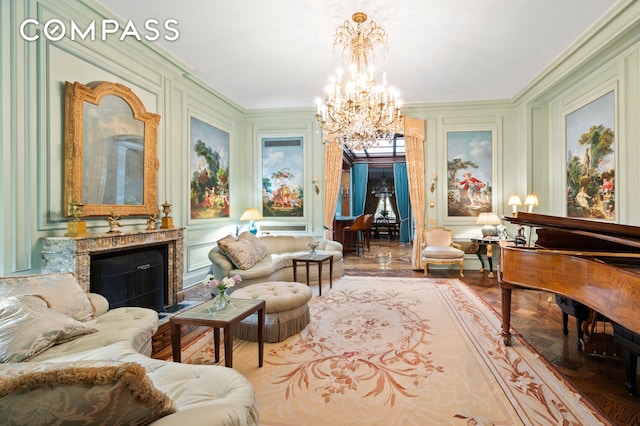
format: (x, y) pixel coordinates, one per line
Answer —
(209, 168)
(469, 172)
(590, 141)
(282, 177)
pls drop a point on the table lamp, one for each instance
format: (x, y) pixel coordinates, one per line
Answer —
(531, 200)
(252, 215)
(488, 220)
(515, 201)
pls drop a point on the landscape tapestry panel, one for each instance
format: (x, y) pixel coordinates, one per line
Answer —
(209, 164)
(469, 172)
(282, 177)
(590, 136)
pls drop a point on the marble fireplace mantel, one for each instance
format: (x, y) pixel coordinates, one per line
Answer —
(73, 254)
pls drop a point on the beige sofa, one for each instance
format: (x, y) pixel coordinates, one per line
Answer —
(270, 258)
(66, 357)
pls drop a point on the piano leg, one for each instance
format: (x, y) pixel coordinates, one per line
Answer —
(505, 293)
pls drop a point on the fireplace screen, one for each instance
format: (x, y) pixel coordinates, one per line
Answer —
(132, 279)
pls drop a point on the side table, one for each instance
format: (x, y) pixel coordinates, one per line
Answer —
(487, 242)
(318, 259)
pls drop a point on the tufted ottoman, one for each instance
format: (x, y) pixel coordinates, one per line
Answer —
(286, 313)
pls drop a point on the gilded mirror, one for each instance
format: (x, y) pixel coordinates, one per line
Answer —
(110, 149)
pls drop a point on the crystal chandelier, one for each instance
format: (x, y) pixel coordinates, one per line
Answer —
(358, 112)
(382, 188)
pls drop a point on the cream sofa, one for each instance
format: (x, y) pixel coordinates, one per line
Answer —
(66, 357)
(270, 258)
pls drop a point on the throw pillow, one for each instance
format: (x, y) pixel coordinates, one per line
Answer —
(242, 254)
(61, 291)
(222, 242)
(82, 392)
(261, 249)
(28, 327)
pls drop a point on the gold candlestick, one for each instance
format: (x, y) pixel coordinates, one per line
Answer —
(167, 221)
(76, 227)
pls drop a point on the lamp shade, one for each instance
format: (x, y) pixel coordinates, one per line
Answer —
(251, 214)
(488, 220)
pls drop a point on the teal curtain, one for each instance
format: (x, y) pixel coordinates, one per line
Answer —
(401, 183)
(359, 178)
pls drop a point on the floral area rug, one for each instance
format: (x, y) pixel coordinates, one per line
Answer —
(403, 351)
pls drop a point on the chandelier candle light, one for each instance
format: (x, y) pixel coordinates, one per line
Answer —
(358, 112)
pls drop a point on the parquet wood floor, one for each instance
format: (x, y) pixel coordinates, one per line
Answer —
(537, 318)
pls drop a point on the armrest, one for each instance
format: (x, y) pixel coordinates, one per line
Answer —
(333, 245)
(456, 245)
(221, 264)
(99, 302)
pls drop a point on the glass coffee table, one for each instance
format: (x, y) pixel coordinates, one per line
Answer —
(205, 315)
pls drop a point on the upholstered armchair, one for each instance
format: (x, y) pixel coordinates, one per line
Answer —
(438, 248)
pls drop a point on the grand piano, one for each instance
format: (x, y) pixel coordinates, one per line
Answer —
(593, 263)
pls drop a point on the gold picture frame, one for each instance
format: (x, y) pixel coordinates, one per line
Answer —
(110, 151)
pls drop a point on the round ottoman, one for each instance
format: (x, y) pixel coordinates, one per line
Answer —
(286, 311)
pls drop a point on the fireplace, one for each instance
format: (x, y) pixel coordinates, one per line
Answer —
(131, 277)
(77, 254)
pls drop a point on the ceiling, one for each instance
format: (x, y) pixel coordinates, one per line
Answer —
(279, 53)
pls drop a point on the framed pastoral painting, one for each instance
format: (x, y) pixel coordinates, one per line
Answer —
(590, 139)
(469, 172)
(209, 164)
(282, 177)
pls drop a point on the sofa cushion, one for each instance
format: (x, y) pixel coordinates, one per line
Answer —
(439, 252)
(241, 253)
(61, 291)
(225, 240)
(130, 325)
(28, 327)
(85, 392)
(260, 248)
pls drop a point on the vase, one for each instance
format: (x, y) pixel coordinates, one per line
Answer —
(312, 253)
(221, 300)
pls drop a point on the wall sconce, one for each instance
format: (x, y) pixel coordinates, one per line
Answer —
(345, 192)
(316, 180)
(531, 200)
(433, 182)
(515, 201)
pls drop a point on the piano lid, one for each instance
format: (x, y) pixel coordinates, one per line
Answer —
(583, 233)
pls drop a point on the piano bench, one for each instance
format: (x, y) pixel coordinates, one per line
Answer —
(630, 343)
(575, 309)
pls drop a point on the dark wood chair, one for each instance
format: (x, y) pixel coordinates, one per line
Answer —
(353, 238)
(366, 233)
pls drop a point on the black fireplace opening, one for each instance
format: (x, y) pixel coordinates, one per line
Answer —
(135, 277)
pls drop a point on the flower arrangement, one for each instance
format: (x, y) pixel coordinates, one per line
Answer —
(313, 245)
(223, 284)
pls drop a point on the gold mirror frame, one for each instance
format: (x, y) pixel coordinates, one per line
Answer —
(76, 95)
